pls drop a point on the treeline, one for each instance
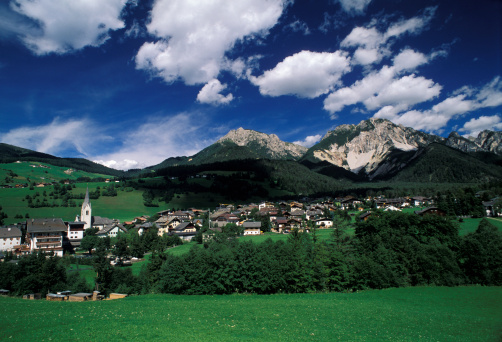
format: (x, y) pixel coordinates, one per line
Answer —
(39, 273)
(62, 196)
(387, 250)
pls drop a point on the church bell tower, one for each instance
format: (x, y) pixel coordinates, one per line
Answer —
(86, 212)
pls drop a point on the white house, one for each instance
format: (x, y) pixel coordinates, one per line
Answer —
(111, 230)
(251, 228)
(75, 232)
(324, 223)
(46, 235)
(9, 237)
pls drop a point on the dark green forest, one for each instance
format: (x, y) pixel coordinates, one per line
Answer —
(387, 250)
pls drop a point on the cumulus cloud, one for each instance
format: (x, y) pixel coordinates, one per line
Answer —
(210, 93)
(372, 45)
(461, 102)
(194, 36)
(407, 91)
(158, 139)
(367, 56)
(65, 26)
(304, 74)
(474, 126)
(309, 141)
(387, 87)
(57, 136)
(408, 60)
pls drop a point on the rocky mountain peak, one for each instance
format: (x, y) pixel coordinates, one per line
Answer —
(366, 145)
(486, 141)
(269, 144)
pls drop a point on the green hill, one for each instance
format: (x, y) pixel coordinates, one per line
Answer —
(441, 164)
(11, 154)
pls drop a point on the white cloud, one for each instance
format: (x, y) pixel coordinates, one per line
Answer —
(475, 126)
(462, 101)
(360, 91)
(372, 45)
(366, 56)
(125, 164)
(210, 93)
(491, 94)
(427, 120)
(387, 87)
(149, 143)
(309, 141)
(304, 74)
(354, 6)
(406, 91)
(194, 36)
(409, 60)
(456, 105)
(69, 25)
(158, 139)
(368, 38)
(413, 25)
(57, 136)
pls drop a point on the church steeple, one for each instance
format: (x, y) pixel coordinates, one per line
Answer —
(86, 212)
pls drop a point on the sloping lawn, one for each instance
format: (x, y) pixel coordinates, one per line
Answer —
(405, 314)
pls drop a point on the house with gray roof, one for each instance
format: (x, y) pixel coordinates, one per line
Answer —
(185, 230)
(46, 235)
(111, 230)
(252, 228)
(9, 237)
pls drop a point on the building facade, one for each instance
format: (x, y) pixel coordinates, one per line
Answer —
(46, 235)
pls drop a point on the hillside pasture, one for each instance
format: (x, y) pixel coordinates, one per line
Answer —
(37, 172)
(125, 206)
(403, 314)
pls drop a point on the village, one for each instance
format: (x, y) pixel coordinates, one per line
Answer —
(53, 235)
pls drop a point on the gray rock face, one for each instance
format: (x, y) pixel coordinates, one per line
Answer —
(365, 146)
(268, 145)
(486, 141)
(458, 142)
(490, 141)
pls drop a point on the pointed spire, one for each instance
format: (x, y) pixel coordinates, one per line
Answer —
(86, 199)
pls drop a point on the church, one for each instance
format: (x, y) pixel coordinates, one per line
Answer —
(102, 223)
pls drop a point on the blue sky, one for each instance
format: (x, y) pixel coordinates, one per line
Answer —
(131, 83)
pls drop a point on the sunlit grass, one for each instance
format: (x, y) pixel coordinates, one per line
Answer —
(404, 314)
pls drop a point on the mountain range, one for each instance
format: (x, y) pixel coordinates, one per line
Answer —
(374, 149)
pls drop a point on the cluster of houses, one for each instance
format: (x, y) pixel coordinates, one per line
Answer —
(55, 235)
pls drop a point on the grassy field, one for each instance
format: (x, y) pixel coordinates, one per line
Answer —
(404, 314)
(28, 172)
(124, 207)
(85, 271)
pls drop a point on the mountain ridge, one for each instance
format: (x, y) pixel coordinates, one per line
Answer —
(374, 149)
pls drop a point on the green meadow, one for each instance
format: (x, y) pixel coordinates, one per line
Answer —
(27, 172)
(403, 314)
(125, 206)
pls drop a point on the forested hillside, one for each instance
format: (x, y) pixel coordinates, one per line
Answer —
(11, 154)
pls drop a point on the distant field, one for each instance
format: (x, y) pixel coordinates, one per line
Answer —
(33, 172)
(404, 314)
(124, 207)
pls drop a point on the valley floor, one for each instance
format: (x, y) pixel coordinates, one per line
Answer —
(403, 314)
